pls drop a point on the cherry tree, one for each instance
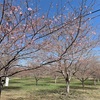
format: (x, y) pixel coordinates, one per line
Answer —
(27, 34)
(53, 72)
(85, 69)
(22, 35)
(38, 74)
(75, 39)
(96, 70)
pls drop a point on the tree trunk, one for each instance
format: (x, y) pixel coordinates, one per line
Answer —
(36, 80)
(67, 87)
(98, 80)
(1, 85)
(94, 81)
(82, 83)
(67, 84)
(56, 80)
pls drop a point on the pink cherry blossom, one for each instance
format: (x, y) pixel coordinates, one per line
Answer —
(10, 12)
(20, 13)
(13, 37)
(94, 33)
(13, 8)
(29, 9)
(42, 17)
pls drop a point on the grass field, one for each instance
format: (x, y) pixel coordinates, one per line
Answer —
(25, 89)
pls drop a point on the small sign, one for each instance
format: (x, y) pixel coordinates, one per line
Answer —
(7, 81)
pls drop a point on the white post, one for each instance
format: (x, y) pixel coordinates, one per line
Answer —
(7, 81)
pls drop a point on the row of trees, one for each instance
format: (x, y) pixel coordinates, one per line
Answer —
(30, 34)
(83, 70)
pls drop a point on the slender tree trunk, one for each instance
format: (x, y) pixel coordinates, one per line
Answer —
(68, 86)
(56, 80)
(1, 85)
(94, 81)
(36, 81)
(98, 80)
(82, 83)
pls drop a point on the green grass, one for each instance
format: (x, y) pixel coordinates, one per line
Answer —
(25, 89)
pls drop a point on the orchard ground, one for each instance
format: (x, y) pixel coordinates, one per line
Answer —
(25, 89)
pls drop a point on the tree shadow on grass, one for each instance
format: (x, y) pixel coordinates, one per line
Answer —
(47, 91)
(19, 98)
(39, 84)
(58, 90)
(85, 88)
(15, 82)
(11, 88)
(88, 82)
(53, 81)
(74, 90)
